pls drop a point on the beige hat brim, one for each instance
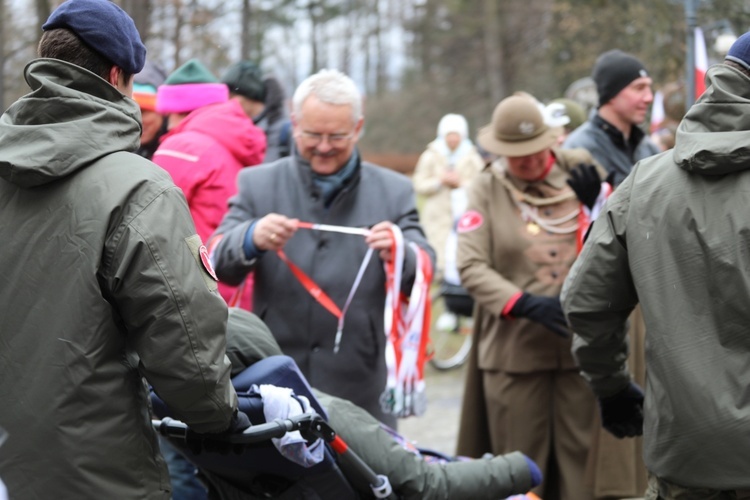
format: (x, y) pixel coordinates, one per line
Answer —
(489, 142)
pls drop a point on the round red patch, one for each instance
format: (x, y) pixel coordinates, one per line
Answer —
(207, 262)
(470, 221)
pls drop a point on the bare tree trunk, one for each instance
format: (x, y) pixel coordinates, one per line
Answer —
(324, 41)
(140, 11)
(379, 56)
(42, 11)
(346, 46)
(426, 38)
(176, 34)
(245, 30)
(367, 69)
(315, 65)
(493, 52)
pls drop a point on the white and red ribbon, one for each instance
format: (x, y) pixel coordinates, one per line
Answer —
(586, 216)
(407, 327)
(406, 320)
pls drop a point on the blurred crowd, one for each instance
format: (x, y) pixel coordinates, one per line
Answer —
(605, 254)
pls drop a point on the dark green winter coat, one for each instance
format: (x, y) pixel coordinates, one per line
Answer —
(674, 237)
(101, 283)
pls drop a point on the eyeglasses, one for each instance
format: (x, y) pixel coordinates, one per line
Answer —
(335, 140)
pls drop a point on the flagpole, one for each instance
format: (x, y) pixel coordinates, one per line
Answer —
(691, 21)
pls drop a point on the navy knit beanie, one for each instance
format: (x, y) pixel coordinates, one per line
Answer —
(740, 51)
(104, 27)
(613, 71)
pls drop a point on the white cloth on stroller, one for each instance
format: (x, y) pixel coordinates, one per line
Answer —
(280, 402)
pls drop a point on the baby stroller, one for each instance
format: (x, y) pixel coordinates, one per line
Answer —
(260, 471)
(272, 476)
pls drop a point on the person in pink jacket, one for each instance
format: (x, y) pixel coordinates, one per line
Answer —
(210, 139)
(205, 152)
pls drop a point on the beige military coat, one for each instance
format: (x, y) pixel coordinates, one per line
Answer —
(505, 246)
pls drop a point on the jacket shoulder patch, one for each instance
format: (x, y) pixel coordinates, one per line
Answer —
(200, 253)
(470, 221)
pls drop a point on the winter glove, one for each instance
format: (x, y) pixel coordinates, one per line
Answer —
(536, 473)
(217, 442)
(546, 311)
(622, 414)
(586, 183)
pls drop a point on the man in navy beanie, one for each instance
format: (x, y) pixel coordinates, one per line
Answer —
(105, 280)
(613, 135)
(673, 238)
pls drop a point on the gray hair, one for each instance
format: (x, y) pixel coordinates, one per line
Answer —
(331, 87)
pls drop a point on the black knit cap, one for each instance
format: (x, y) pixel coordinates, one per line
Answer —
(613, 71)
(740, 51)
(104, 27)
(245, 78)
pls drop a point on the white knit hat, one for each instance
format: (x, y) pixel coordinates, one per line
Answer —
(453, 123)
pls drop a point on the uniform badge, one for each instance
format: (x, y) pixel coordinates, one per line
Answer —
(206, 261)
(470, 221)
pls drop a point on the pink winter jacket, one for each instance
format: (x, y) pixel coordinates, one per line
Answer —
(204, 154)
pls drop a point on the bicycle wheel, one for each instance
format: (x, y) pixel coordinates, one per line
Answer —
(450, 335)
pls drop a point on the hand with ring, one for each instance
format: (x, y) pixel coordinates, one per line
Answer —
(273, 231)
(380, 239)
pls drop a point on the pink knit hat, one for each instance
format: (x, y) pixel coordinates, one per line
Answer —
(189, 87)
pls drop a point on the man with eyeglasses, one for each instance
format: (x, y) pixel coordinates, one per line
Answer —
(324, 181)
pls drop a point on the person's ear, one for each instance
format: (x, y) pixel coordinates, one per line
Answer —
(114, 76)
(358, 128)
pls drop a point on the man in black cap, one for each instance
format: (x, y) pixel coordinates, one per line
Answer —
(612, 135)
(104, 279)
(616, 141)
(674, 238)
(263, 101)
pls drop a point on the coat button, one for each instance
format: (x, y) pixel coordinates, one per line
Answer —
(315, 348)
(553, 253)
(547, 211)
(554, 274)
(322, 244)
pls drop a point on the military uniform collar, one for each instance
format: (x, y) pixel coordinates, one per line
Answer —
(556, 177)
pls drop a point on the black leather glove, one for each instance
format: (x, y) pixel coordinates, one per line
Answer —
(586, 183)
(217, 442)
(544, 310)
(622, 414)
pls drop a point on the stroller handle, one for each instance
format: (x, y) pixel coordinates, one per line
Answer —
(312, 425)
(254, 434)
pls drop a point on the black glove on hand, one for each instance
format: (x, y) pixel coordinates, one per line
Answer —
(622, 414)
(544, 310)
(217, 442)
(586, 183)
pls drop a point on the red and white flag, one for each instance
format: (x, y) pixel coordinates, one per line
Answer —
(657, 111)
(701, 63)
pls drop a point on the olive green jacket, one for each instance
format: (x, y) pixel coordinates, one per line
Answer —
(249, 340)
(101, 284)
(675, 237)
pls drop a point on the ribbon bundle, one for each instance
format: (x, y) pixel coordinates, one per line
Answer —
(407, 327)
(407, 320)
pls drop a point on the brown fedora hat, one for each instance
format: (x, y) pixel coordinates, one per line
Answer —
(517, 129)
